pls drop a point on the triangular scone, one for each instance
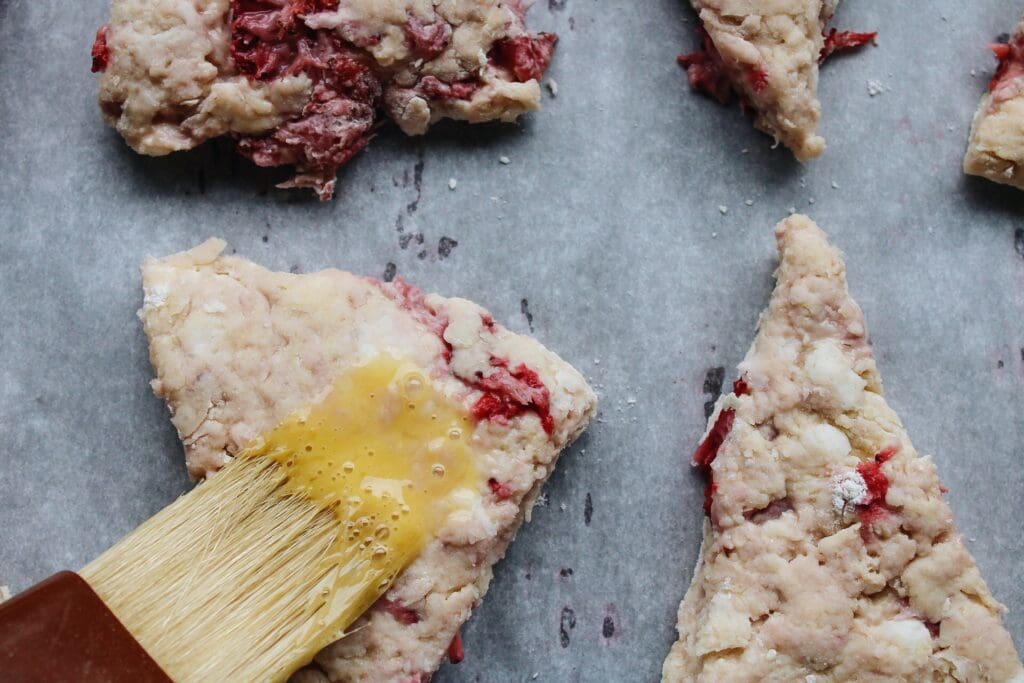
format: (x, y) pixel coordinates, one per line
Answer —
(829, 553)
(996, 147)
(236, 348)
(769, 52)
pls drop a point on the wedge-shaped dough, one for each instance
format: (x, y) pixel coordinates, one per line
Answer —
(304, 82)
(236, 348)
(768, 53)
(996, 147)
(829, 553)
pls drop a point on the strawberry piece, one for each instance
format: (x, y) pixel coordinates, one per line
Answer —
(707, 451)
(510, 393)
(456, 653)
(526, 57)
(874, 508)
(843, 40)
(500, 491)
(401, 613)
(1011, 62)
(705, 70)
(758, 79)
(100, 51)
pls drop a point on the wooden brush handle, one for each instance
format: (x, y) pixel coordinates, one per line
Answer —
(60, 630)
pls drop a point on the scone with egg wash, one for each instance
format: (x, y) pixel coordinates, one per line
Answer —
(236, 348)
(829, 554)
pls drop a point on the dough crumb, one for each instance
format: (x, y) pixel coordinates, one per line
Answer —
(452, 183)
(552, 85)
(504, 160)
(876, 87)
(723, 209)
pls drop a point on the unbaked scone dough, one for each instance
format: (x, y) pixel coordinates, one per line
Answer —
(768, 53)
(237, 348)
(996, 147)
(829, 554)
(304, 82)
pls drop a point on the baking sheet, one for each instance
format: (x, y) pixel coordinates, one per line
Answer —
(603, 235)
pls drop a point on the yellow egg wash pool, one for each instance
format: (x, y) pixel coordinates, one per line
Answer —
(276, 555)
(383, 453)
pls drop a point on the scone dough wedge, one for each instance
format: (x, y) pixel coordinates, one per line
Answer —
(305, 83)
(236, 348)
(829, 554)
(996, 146)
(768, 53)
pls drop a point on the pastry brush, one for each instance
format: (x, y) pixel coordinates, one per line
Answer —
(251, 573)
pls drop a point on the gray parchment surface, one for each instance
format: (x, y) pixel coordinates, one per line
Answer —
(605, 227)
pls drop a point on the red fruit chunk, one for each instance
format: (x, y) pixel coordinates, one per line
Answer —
(874, 477)
(456, 653)
(758, 80)
(774, 510)
(885, 455)
(435, 89)
(271, 41)
(843, 40)
(1011, 62)
(526, 57)
(706, 70)
(740, 387)
(318, 143)
(874, 508)
(100, 51)
(268, 36)
(510, 393)
(401, 613)
(1000, 50)
(427, 40)
(707, 451)
(500, 491)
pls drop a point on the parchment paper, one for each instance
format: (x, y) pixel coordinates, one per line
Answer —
(603, 235)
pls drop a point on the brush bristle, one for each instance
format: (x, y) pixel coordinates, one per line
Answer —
(257, 569)
(230, 582)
